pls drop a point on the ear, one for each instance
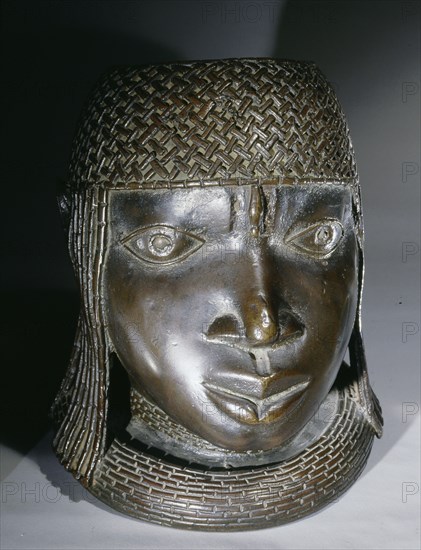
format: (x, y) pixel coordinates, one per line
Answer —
(63, 201)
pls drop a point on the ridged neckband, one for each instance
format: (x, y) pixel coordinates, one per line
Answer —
(160, 491)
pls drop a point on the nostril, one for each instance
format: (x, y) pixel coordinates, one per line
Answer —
(226, 326)
(289, 325)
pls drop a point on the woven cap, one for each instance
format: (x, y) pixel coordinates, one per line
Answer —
(213, 121)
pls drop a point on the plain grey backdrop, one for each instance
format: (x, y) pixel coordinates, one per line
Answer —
(53, 52)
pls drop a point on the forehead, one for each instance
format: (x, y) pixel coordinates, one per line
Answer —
(228, 204)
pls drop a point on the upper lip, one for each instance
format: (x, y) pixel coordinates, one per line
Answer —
(264, 393)
(247, 384)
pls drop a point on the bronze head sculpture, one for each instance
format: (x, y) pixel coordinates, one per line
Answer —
(216, 232)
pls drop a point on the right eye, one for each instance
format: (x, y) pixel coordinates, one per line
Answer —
(318, 240)
(162, 244)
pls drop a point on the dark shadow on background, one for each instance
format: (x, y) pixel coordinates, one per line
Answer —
(51, 75)
(50, 70)
(39, 328)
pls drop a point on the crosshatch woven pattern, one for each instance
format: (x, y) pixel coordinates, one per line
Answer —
(214, 120)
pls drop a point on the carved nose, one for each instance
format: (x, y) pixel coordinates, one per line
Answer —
(261, 326)
(257, 325)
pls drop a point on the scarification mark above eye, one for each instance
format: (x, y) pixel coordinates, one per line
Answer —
(319, 240)
(162, 244)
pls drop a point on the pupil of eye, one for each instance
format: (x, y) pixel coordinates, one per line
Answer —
(323, 235)
(160, 244)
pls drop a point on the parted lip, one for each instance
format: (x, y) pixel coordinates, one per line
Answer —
(260, 396)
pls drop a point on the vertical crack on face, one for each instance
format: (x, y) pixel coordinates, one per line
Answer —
(234, 207)
(265, 211)
(256, 210)
(261, 361)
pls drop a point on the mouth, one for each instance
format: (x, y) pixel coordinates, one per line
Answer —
(258, 399)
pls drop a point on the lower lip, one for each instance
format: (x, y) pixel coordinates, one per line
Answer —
(244, 411)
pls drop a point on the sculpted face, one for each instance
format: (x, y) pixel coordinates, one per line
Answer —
(215, 229)
(231, 307)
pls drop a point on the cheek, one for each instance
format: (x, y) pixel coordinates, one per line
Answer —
(154, 342)
(332, 305)
(325, 298)
(133, 298)
(151, 318)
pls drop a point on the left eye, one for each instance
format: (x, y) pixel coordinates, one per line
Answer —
(319, 239)
(162, 244)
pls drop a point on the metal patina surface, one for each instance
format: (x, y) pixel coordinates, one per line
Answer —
(216, 232)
